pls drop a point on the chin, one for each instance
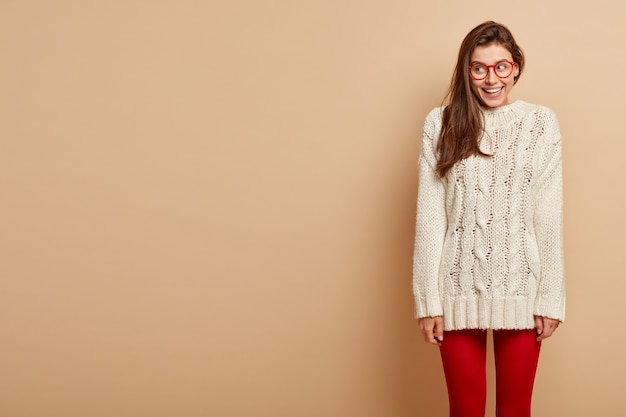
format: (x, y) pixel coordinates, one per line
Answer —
(494, 102)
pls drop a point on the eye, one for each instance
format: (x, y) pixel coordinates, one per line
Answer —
(479, 69)
(503, 66)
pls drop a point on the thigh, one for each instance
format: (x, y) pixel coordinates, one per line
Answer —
(463, 354)
(516, 354)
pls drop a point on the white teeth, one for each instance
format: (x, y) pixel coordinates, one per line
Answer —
(493, 90)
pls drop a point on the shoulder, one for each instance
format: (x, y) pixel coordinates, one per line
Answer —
(434, 116)
(433, 122)
(539, 112)
(430, 135)
(543, 113)
(543, 120)
(436, 113)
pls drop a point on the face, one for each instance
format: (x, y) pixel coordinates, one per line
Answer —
(493, 90)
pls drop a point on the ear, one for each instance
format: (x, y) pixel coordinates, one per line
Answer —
(516, 71)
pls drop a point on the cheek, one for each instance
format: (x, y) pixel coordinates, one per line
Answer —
(476, 85)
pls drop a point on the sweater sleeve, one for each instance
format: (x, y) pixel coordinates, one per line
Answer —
(431, 225)
(548, 223)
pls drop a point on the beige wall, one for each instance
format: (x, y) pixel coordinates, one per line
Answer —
(206, 208)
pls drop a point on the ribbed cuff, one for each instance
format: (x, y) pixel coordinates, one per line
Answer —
(428, 307)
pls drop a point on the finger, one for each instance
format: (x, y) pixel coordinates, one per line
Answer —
(439, 329)
(430, 333)
(432, 339)
(427, 325)
(543, 335)
(539, 326)
(549, 327)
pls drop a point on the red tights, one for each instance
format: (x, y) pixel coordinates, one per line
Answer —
(464, 353)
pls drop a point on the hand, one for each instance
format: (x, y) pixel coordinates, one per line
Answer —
(545, 327)
(432, 329)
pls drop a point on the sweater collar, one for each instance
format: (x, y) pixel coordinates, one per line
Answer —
(503, 115)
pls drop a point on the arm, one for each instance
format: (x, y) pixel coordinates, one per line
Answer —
(548, 223)
(431, 225)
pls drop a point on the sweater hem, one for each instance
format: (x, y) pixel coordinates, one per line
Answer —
(475, 312)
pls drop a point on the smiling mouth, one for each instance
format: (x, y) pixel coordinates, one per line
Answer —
(493, 90)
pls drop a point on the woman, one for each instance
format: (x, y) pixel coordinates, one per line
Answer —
(488, 246)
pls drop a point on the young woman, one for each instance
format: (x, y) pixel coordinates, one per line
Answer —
(488, 245)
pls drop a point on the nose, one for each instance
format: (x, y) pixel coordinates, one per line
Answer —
(492, 78)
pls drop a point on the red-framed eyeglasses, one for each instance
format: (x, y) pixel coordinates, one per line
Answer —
(502, 69)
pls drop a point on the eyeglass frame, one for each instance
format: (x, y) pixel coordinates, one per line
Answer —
(512, 63)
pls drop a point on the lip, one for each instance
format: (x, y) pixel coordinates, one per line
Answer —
(493, 91)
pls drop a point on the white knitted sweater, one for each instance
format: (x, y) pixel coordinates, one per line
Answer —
(488, 242)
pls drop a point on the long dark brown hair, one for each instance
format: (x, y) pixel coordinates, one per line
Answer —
(462, 120)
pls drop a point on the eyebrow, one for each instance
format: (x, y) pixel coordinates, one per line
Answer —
(497, 62)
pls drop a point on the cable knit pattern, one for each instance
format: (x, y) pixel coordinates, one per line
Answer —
(488, 241)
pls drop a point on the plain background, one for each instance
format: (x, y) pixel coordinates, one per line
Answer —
(207, 208)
